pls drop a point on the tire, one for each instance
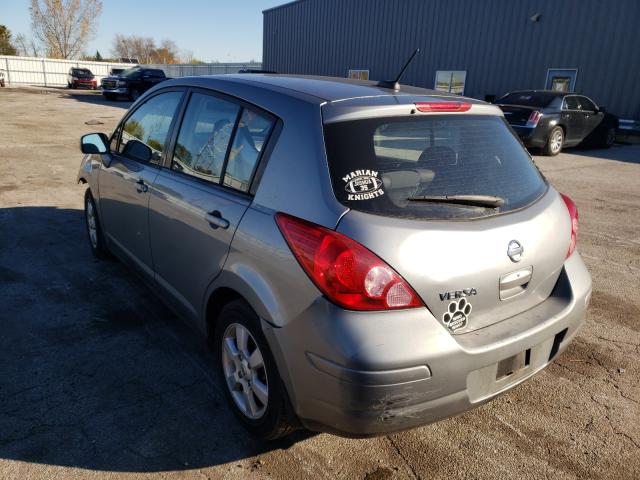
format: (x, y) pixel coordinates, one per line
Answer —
(134, 94)
(94, 228)
(109, 96)
(255, 394)
(554, 142)
(608, 138)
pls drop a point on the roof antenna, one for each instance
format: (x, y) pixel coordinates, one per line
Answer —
(393, 84)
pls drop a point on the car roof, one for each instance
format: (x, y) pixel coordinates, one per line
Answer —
(319, 89)
(551, 93)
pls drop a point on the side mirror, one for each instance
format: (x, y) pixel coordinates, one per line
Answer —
(94, 143)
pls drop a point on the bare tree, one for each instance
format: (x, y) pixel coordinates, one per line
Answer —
(133, 46)
(144, 49)
(26, 46)
(64, 26)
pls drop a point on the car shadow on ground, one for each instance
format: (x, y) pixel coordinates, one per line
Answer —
(95, 98)
(95, 373)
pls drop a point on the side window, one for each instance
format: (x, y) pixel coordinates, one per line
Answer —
(571, 103)
(204, 137)
(586, 104)
(251, 136)
(144, 134)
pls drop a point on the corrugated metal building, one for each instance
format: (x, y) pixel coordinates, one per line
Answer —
(482, 48)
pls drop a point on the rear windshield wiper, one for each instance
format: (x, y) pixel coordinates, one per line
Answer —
(470, 200)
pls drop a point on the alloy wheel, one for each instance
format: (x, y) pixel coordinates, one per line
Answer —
(556, 141)
(244, 371)
(91, 223)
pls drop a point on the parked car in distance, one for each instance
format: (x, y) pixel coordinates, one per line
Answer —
(362, 260)
(132, 83)
(114, 72)
(553, 120)
(254, 70)
(81, 77)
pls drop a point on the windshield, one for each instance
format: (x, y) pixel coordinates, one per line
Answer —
(381, 166)
(529, 99)
(130, 72)
(81, 72)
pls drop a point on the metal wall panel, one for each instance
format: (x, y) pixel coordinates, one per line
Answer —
(495, 41)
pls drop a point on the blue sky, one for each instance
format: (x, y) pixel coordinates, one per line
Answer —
(211, 29)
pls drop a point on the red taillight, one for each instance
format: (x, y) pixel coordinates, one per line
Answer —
(442, 106)
(534, 118)
(573, 214)
(346, 272)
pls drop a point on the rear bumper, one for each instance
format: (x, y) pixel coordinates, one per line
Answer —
(368, 374)
(531, 137)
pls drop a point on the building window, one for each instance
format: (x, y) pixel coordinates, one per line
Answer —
(451, 81)
(561, 79)
(358, 74)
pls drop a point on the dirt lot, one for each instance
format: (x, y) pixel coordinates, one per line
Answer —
(99, 380)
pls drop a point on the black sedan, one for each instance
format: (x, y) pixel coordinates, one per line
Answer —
(552, 120)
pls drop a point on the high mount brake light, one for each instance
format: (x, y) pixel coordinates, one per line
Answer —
(346, 272)
(573, 214)
(534, 118)
(442, 106)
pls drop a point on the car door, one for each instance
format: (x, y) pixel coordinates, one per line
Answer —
(592, 117)
(572, 119)
(199, 200)
(126, 179)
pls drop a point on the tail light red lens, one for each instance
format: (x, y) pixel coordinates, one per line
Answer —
(346, 272)
(573, 214)
(534, 118)
(442, 106)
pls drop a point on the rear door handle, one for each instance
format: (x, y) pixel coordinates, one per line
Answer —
(515, 283)
(141, 187)
(215, 220)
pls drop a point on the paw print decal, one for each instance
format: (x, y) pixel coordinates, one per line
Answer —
(457, 314)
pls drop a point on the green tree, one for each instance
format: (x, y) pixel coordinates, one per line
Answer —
(6, 46)
(98, 56)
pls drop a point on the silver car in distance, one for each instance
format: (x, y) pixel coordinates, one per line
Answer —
(362, 260)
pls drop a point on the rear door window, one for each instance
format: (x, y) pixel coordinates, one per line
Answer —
(571, 103)
(204, 137)
(586, 104)
(382, 165)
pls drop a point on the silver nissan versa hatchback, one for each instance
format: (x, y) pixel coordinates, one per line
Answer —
(362, 259)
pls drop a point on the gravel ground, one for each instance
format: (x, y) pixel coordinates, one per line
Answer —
(99, 380)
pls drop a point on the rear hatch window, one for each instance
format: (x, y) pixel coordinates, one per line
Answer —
(528, 99)
(406, 166)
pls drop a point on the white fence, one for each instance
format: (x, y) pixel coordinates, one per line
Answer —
(190, 70)
(53, 73)
(49, 72)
